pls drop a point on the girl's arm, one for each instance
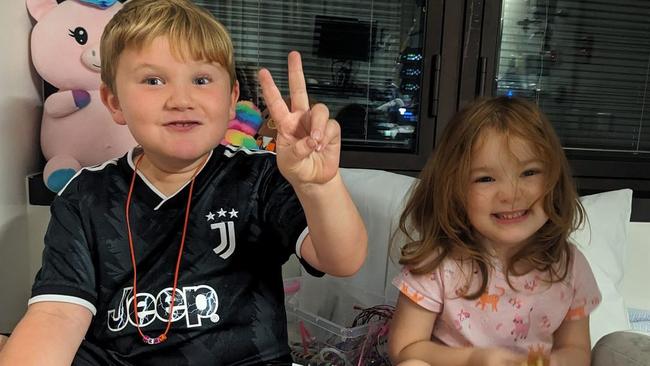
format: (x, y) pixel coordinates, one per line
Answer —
(410, 339)
(571, 344)
(49, 334)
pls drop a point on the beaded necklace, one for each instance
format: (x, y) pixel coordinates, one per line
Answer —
(162, 337)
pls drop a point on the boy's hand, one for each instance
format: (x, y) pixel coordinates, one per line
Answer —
(308, 144)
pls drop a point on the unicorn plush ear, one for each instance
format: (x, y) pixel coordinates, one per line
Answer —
(38, 8)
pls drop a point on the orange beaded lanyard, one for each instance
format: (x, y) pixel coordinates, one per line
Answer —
(163, 337)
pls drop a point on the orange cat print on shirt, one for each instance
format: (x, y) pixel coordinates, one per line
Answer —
(415, 296)
(578, 312)
(490, 299)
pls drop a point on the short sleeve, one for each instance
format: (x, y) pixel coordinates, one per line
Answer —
(586, 295)
(283, 217)
(67, 273)
(426, 290)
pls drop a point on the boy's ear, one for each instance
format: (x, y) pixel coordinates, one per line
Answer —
(112, 103)
(234, 97)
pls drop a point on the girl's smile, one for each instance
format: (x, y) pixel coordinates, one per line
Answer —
(512, 217)
(504, 203)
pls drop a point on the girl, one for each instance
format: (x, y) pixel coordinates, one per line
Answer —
(491, 278)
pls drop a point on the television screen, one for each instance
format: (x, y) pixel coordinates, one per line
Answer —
(342, 38)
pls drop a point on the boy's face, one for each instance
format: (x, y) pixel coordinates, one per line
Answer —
(504, 201)
(177, 110)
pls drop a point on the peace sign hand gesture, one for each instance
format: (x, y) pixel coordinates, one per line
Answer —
(308, 143)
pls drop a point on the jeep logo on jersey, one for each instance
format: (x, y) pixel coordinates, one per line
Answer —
(194, 303)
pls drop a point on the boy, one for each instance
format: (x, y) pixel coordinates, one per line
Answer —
(196, 232)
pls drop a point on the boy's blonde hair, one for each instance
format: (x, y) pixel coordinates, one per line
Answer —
(191, 30)
(437, 207)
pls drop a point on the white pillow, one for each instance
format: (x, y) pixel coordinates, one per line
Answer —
(603, 240)
(379, 197)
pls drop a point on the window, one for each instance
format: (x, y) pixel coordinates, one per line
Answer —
(587, 64)
(365, 59)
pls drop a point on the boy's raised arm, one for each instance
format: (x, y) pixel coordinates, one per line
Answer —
(308, 149)
(337, 240)
(49, 334)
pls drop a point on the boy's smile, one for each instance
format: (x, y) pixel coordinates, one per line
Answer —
(504, 202)
(177, 110)
(182, 126)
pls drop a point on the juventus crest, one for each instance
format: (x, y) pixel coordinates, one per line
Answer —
(227, 241)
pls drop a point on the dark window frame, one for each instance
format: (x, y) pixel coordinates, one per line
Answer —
(461, 51)
(594, 171)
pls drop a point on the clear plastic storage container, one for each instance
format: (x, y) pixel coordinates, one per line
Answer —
(321, 323)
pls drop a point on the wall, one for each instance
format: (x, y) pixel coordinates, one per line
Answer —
(20, 109)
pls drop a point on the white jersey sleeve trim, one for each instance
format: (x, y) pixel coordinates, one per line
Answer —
(301, 238)
(64, 298)
(91, 168)
(232, 150)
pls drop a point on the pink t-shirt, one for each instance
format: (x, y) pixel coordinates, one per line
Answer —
(523, 321)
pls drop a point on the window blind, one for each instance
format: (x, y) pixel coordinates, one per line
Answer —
(586, 63)
(263, 33)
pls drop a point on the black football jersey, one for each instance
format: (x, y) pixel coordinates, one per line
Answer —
(245, 221)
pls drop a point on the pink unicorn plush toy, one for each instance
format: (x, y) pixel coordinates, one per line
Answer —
(77, 130)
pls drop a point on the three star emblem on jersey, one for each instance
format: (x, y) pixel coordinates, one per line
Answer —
(221, 213)
(226, 232)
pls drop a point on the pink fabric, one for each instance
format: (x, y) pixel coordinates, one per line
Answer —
(522, 321)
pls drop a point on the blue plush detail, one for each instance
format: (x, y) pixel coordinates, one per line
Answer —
(100, 3)
(59, 178)
(81, 98)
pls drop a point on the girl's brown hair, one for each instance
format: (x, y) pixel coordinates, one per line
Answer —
(436, 209)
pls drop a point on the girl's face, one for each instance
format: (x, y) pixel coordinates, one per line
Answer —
(504, 202)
